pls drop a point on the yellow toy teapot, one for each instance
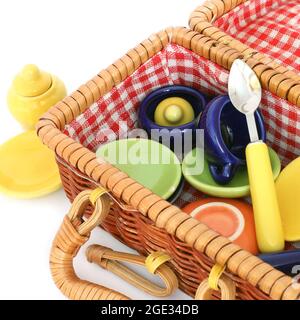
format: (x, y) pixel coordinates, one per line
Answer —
(32, 93)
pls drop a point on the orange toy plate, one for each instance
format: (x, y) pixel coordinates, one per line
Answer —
(232, 219)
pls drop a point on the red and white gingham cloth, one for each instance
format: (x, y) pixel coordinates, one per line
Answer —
(268, 26)
(177, 65)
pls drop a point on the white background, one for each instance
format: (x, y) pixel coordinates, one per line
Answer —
(74, 40)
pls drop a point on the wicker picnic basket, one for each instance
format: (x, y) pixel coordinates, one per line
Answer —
(266, 30)
(132, 213)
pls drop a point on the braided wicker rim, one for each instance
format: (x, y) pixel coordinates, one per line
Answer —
(274, 77)
(164, 215)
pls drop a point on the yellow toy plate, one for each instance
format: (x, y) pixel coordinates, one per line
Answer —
(27, 167)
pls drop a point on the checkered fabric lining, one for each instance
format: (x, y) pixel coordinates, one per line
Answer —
(177, 65)
(269, 26)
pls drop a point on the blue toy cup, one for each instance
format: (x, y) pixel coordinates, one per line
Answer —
(226, 137)
(147, 109)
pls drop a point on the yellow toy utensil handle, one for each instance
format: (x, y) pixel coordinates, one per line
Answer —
(269, 230)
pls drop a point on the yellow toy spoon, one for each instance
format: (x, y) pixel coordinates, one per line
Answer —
(245, 94)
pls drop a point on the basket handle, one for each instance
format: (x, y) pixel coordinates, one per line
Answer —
(217, 281)
(211, 10)
(225, 285)
(74, 232)
(109, 260)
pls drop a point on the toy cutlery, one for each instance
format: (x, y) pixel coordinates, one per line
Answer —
(245, 94)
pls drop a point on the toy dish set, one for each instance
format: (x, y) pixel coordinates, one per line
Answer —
(27, 168)
(189, 248)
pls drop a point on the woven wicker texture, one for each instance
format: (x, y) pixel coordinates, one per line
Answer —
(227, 288)
(152, 224)
(74, 232)
(177, 65)
(70, 237)
(110, 260)
(266, 30)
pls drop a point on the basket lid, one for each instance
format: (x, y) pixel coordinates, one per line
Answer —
(264, 32)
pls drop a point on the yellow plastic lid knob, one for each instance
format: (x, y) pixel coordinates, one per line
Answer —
(173, 111)
(32, 82)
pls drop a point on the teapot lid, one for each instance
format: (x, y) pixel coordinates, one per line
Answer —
(32, 81)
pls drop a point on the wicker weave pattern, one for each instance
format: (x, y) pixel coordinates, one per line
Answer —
(276, 78)
(176, 65)
(269, 26)
(70, 237)
(158, 225)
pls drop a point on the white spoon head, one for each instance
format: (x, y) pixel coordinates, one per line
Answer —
(244, 88)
